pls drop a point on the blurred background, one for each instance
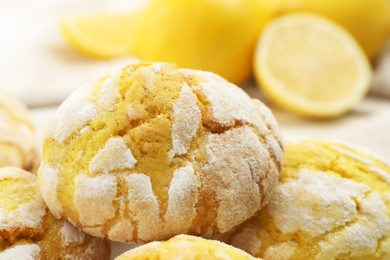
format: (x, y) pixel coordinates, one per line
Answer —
(50, 47)
(326, 75)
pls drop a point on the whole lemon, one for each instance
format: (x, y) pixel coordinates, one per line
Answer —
(367, 20)
(212, 35)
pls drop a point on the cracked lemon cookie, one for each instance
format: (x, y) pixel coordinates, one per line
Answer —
(153, 151)
(186, 247)
(17, 145)
(332, 203)
(29, 231)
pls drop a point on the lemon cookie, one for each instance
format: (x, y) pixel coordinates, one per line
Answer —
(185, 247)
(17, 145)
(332, 203)
(153, 151)
(29, 231)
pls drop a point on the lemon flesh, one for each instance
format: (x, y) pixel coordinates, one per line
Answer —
(100, 36)
(311, 66)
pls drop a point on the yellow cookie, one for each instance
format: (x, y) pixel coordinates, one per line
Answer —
(185, 247)
(152, 151)
(29, 231)
(17, 145)
(332, 203)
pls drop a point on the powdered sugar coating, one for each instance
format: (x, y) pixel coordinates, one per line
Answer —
(109, 92)
(16, 134)
(143, 205)
(295, 204)
(359, 236)
(239, 167)
(269, 119)
(228, 103)
(72, 115)
(181, 210)
(133, 113)
(169, 140)
(330, 205)
(28, 214)
(148, 76)
(187, 118)
(48, 188)
(183, 196)
(115, 155)
(21, 252)
(29, 231)
(362, 236)
(94, 197)
(70, 234)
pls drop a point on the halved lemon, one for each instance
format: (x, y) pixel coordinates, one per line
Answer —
(100, 36)
(312, 66)
(212, 35)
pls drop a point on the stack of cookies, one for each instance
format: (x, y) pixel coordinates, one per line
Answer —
(27, 228)
(154, 153)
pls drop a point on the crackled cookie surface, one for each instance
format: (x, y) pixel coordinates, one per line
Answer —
(17, 145)
(152, 151)
(332, 203)
(186, 247)
(29, 231)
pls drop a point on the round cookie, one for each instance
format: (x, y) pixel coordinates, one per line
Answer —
(29, 231)
(332, 203)
(17, 145)
(153, 151)
(186, 247)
